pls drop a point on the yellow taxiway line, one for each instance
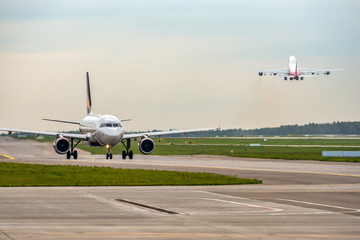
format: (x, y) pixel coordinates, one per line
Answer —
(7, 156)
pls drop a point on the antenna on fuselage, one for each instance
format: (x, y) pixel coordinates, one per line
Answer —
(88, 96)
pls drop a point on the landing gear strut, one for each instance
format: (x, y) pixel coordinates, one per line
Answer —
(71, 152)
(127, 147)
(109, 154)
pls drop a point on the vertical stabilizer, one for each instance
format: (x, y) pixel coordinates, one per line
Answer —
(88, 96)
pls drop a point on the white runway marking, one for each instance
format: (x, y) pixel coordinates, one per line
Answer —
(319, 204)
(243, 204)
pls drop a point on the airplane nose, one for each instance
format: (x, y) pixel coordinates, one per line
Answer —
(110, 136)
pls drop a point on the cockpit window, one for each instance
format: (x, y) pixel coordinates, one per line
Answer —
(110, 125)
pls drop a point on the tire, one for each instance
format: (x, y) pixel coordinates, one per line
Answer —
(123, 155)
(131, 155)
(107, 156)
(110, 155)
(68, 155)
(75, 154)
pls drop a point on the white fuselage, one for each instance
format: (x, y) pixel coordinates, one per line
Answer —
(293, 67)
(103, 130)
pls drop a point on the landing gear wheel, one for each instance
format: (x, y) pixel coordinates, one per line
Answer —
(71, 151)
(109, 154)
(127, 143)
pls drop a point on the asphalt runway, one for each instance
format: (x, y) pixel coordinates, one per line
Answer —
(298, 200)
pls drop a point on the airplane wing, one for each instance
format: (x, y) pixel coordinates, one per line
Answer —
(161, 133)
(83, 137)
(274, 72)
(309, 71)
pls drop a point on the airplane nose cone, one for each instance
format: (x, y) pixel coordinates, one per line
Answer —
(110, 136)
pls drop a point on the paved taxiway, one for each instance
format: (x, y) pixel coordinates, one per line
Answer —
(298, 200)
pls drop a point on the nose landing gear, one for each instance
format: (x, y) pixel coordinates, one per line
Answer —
(109, 154)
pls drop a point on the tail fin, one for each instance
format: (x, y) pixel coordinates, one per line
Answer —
(88, 96)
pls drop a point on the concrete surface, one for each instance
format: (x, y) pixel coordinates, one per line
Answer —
(298, 200)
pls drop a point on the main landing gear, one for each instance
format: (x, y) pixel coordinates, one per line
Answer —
(71, 152)
(126, 143)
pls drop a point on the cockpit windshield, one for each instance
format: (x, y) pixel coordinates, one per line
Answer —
(110, 125)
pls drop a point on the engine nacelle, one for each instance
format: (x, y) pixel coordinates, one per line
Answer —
(261, 73)
(61, 145)
(146, 145)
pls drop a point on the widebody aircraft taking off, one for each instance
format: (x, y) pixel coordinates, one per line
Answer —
(101, 130)
(293, 72)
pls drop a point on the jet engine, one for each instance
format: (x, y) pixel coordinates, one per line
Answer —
(327, 72)
(61, 145)
(146, 145)
(261, 73)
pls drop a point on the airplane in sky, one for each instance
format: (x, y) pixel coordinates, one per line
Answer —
(101, 130)
(293, 72)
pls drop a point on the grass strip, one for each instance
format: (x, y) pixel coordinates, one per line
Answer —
(273, 152)
(20, 175)
(239, 147)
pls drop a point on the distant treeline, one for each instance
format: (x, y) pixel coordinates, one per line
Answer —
(347, 128)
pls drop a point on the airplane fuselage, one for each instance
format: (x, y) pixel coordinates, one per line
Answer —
(103, 130)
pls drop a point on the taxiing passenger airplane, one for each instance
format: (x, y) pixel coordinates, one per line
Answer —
(101, 130)
(294, 72)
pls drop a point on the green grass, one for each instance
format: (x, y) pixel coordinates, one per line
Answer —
(247, 141)
(227, 147)
(291, 153)
(18, 174)
(239, 147)
(270, 141)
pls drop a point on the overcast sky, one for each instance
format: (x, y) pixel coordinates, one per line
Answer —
(177, 64)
